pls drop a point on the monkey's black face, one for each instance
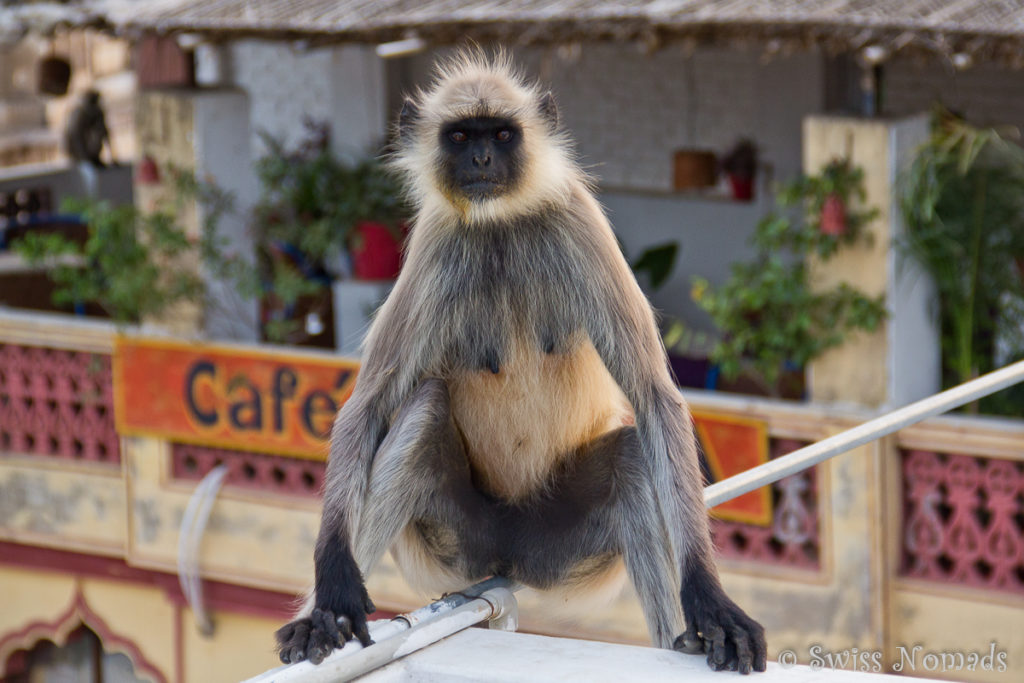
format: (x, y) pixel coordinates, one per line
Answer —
(482, 156)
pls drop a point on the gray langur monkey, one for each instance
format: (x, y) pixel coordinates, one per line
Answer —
(514, 414)
(87, 130)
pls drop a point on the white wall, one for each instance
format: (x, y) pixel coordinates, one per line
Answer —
(284, 86)
(630, 111)
(221, 141)
(358, 115)
(914, 363)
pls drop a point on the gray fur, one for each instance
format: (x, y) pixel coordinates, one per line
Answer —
(549, 265)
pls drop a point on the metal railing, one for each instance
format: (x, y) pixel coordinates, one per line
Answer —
(493, 600)
(808, 456)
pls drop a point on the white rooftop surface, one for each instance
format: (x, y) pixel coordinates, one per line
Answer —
(503, 657)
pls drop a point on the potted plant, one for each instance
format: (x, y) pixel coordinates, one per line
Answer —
(687, 349)
(693, 169)
(740, 166)
(962, 200)
(378, 213)
(772, 322)
(320, 218)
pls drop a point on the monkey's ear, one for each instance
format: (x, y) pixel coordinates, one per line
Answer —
(407, 119)
(549, 110)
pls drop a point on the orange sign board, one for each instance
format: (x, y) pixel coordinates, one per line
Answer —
(228, 396)
(732, 445)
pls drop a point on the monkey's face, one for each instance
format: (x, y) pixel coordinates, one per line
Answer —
(482, 145)
(481, 156)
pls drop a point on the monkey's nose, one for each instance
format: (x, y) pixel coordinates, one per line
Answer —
(481, 160)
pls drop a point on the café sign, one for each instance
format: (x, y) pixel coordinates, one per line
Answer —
(229, 396)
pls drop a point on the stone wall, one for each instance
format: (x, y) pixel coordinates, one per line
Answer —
(985, 94)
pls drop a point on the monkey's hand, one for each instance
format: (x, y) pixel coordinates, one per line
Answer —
(718, 627)
(316, 636)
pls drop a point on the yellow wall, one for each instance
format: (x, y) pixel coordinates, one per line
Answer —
(49, 605)
(241, 645)
(947, 619)
(855, 371)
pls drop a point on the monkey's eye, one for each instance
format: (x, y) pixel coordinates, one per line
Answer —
(458, 136)
(503, 135)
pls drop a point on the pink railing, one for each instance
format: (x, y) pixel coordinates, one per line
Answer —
(276, 473)
(964, 520)
(792, 537)
(57, 403)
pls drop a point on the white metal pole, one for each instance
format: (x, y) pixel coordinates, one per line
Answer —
(803, 458)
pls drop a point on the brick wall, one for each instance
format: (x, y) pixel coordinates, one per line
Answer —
(985, 94)
(629, 111)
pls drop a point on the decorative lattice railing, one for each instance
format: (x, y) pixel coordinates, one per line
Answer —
(963, 514)
(276, 473)
(57, 403)
(963, 520)
(791, 539)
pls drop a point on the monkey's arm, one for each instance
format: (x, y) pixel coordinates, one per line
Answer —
(359, 428)
(625, 334)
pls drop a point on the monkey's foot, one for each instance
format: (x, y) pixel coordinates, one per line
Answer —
(732, 640)
(316, 636)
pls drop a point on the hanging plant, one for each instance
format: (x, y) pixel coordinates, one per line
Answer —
(768, 314)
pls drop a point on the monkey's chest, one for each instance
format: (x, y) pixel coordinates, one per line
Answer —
(520, 422)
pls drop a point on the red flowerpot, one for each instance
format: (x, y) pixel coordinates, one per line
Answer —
(742, 187)
(147, 172)
(833, 216)
(376, 254)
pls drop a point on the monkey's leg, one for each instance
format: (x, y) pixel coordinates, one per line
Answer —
(606, 501)
(543, 538)
(421, 471)
(716, 625)
(419, 468)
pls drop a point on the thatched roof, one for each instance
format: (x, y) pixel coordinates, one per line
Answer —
(18, 17)
(984, 28)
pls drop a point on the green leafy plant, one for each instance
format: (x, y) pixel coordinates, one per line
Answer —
(137, 264)
(684, 340)
(120, 265)
(962, 200)
(767, 312)
(657, 263)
